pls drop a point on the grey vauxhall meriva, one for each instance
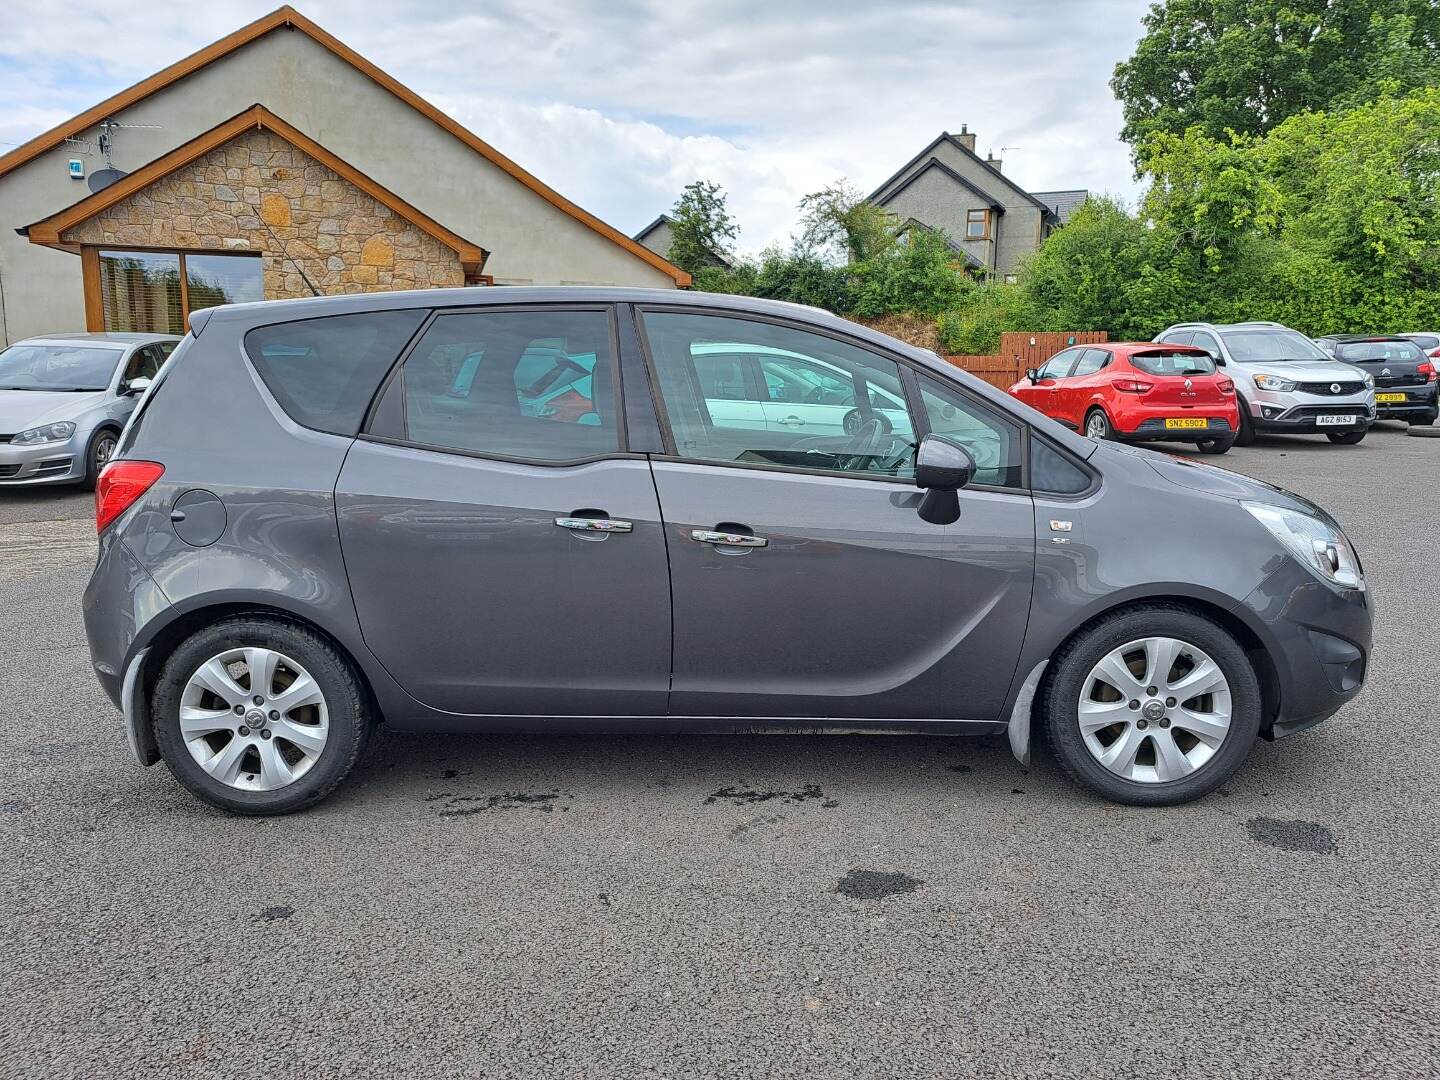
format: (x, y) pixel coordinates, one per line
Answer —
(615, 510)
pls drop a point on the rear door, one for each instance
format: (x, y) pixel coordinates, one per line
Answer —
(805, 584)
(1074, 393)
(504, 559)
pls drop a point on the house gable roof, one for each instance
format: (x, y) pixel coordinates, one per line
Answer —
(51, 231)
(287, 16)
(936, 163)
(944, 137)
(663, 219)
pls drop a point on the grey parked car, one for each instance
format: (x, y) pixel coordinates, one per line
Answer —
(327, 514)
(64, 400)
(1287, 385)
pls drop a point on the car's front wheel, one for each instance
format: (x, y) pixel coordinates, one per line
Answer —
(259, 715)
(1345, 438)
(1151, 705)
(98, 454)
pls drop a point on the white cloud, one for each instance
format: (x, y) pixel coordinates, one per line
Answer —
(619, 105)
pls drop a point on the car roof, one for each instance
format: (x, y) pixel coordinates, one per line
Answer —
(97, 340)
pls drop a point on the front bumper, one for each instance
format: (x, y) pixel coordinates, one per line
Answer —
(48, 463)
(1317, 639)
(1305, 419)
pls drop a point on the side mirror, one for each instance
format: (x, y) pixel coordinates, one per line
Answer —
(942, 467)
(1033, 374)
(137, 385)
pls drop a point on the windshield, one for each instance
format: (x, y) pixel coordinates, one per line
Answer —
(1173, 363)
(57, 367)
(1271, 346)
(1400, 352)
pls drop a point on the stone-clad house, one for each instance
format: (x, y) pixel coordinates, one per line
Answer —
(276, 163)
(989, 218)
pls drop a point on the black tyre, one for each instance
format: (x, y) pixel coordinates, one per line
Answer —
(1345, 438)
(101, 450)
(1097, 425)
(1108, 714)
(259, 715)
(1215, 446)
(1246, 435)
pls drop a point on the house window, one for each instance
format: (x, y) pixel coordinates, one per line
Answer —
(154, 292)
(977, 225)
(1011, 279)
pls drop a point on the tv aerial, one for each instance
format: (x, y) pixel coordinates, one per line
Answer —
(104, 145)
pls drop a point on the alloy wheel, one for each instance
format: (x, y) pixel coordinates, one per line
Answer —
(1155, 710)
(1096, 427)
(104, 450)
(254, 719)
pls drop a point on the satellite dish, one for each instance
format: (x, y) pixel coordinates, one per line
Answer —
(100, 179)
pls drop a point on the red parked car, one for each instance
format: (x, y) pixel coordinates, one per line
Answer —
(1137, 391)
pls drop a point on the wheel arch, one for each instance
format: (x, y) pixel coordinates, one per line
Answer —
(1254, 645)
(164, 639)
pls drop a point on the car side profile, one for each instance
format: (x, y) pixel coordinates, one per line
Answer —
(1136, 391)
(1405, 380)
(1285, 382)
(64, 400)
(332, 514)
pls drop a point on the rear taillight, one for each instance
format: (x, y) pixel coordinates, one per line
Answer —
(119, 485)
(1226, 385)
(1427, 369)
(1133, 386)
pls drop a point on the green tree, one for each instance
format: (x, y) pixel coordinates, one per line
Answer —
(838, 219)
(701, 226)
(1248, 65)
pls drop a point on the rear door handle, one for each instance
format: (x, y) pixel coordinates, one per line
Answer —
(711, 536)
(792, 421)
(594, 524)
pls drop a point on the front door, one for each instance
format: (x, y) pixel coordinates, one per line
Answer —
(804, 582)
(508, 559)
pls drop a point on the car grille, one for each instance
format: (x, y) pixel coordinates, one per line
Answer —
(1327, 388)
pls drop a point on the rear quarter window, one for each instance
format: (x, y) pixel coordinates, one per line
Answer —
(324, 372)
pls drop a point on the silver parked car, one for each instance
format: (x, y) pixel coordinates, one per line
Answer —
(1286, 383)
(64, 400)
(380, 521)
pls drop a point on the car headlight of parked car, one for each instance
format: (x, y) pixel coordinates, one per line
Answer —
(48, 433)
(1369, 380)
(1276, 383)
(1320, 546)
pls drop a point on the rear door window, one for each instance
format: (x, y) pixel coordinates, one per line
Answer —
(324, 372)
(1091, 361)
(522, 385)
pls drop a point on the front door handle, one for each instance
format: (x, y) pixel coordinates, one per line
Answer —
(728, 539)
(594, 524)
(792, 421)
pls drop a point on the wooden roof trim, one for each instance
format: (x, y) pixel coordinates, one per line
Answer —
(50, 232)
(288, 16)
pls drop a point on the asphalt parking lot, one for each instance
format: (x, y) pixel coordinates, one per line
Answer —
(858, 906)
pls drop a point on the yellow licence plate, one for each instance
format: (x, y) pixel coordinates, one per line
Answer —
(1389, 397)
(1197, 422)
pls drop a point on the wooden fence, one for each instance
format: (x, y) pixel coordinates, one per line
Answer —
(1021, 351)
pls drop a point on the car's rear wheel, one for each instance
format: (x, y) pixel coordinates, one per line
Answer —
(1151, 705)
(1214, 446)
(1345, 438)
(1097, 425)
(259, 715)
(98, 454)
(1246, 435)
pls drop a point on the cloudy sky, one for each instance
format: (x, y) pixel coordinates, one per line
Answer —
(619, 104)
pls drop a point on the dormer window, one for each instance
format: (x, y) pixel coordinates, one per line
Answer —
(977, 225)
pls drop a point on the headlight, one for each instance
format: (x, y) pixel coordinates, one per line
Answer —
(1274, 382)
(1319, 546)
(49, 433)
(1369, 379)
